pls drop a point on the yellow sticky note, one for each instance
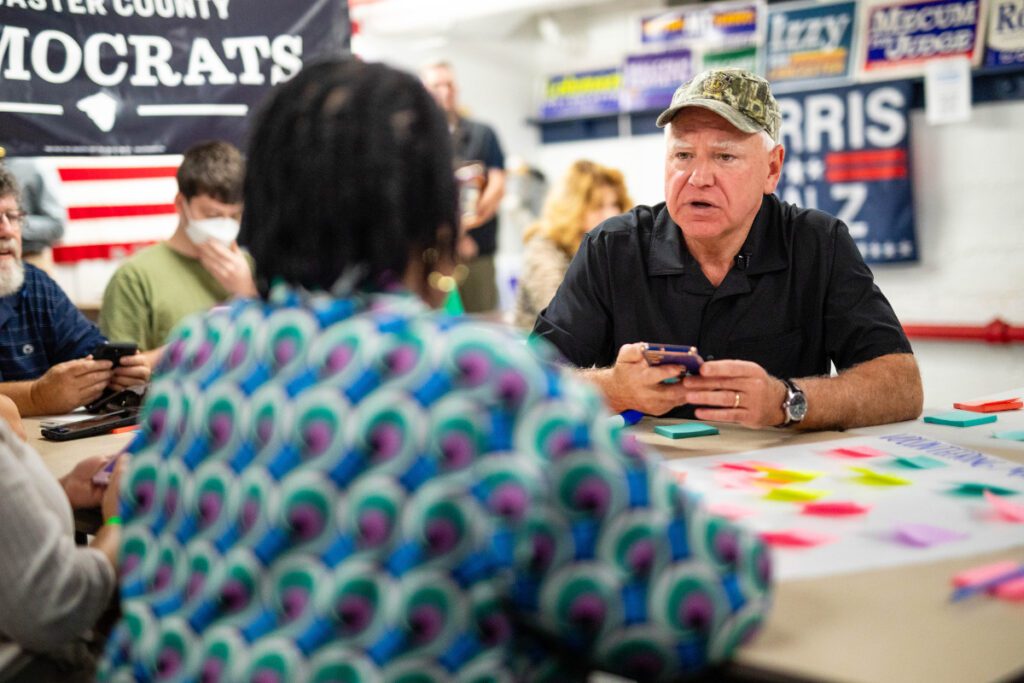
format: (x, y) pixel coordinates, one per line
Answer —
(873, 478)
(776, 474)
(794, 494)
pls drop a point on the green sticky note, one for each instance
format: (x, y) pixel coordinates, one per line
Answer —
(960, 418)
(795, 494)
(920, 462)
(1012, 435)
(972, 488)
(872, 478)
(685, 430)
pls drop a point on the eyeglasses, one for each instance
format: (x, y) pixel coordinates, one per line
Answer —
(15, 218)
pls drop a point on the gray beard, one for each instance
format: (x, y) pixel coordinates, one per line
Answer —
(12, 278)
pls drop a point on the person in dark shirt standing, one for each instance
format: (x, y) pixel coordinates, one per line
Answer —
(474, 142)
(771, 294)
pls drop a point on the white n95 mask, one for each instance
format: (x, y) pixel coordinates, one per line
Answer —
(222, 229)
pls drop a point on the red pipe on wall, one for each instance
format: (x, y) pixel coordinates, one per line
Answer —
(996, 332)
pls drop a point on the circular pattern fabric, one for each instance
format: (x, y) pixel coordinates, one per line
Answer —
(364, 490)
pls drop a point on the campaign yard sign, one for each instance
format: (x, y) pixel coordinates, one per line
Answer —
(847, 153)
(1005, 46)
(113, 77)
(900, 36)
(650, 80)
(722, 23)
(580, 94)
(809, 42)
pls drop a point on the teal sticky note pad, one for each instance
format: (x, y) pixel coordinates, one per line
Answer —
(920, 462)
(685, 430)
(971, 488)
(960, 418)
(1012, 435)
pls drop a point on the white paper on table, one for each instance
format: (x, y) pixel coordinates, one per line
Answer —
(866, 541)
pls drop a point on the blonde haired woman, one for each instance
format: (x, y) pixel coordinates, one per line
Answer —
(587, 195)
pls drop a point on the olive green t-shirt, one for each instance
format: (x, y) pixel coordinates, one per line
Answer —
(152, 291)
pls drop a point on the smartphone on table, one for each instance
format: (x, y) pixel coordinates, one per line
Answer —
(686, 357)
(93, 426)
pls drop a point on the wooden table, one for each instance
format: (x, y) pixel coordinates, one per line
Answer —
(882, 625)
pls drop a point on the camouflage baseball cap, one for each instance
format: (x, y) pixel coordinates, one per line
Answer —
(743, 99)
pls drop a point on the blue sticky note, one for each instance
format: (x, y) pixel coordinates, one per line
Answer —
(920, 462)
(1012, 435)
(685, 430)
(960, 418)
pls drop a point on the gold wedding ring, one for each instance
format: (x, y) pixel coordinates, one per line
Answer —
(736, 403)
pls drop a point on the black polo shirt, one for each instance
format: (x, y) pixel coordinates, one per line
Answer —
(798, 297)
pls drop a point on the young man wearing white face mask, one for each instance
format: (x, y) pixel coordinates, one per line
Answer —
(200, 266)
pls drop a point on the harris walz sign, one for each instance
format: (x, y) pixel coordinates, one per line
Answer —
(847, 153)
(107, 77)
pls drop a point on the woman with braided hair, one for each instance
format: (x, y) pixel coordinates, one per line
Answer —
(337, 482)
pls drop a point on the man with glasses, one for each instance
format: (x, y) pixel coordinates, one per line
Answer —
(45, 342)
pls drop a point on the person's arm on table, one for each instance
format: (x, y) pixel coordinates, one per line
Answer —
(881, 390)
(63, 387)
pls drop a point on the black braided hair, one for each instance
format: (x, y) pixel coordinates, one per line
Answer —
(349, 171)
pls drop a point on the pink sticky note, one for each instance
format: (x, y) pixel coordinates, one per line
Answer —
(925, 535)
(1010, 590)
(835, 508)
(856, 452)
(983, 573)
(735, 479)
(729, 510)
(1005, 509)
(748, 466)
(795, 538)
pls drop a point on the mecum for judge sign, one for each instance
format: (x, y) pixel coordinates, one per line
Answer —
(109, 77)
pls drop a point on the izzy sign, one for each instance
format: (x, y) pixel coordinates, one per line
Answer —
(899, 37)
(809, 41)
(847, 154)
(149, 76)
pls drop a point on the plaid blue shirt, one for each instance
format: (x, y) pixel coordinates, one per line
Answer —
(40, 327)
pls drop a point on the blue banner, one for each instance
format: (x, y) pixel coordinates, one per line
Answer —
(847, 153)
(809, 42)
(144, 77)
(900, 37)
(1005, 33)
(650, 80)
(586, 93)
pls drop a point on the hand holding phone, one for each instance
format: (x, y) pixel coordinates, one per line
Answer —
(673, 354)
(113, 351)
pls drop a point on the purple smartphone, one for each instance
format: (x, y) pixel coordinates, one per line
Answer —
(102, 477)
(673, 354)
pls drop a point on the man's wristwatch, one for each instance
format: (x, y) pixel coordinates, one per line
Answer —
(795, 404)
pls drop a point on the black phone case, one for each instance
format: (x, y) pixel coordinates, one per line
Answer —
(90, 427)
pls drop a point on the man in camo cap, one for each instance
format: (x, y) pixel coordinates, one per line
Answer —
(771, 294)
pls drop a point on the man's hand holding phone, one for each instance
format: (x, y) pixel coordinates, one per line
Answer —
(130, 367)
(633, 383)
